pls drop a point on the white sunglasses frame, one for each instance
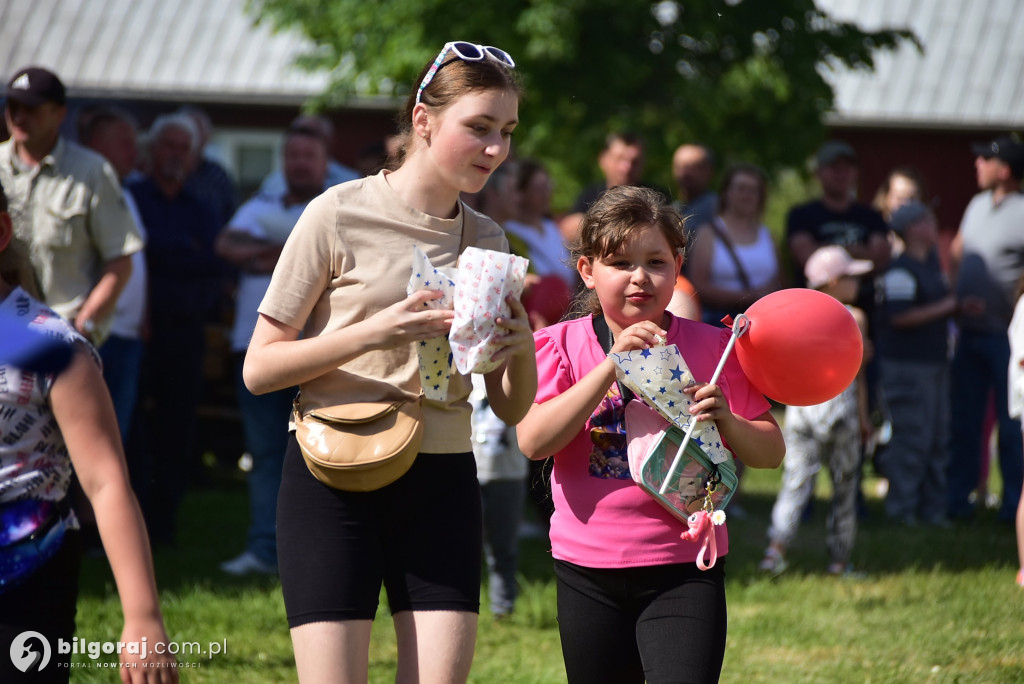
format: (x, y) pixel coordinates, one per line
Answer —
(497, 54)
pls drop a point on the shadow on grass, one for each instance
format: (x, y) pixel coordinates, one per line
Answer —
(214, 517)
(880, 548)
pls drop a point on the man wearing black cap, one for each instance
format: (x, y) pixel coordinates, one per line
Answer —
(987, 259)
(837, 218)
(66, 205)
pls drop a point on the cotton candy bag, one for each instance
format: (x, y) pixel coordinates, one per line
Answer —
(485, 278)
(435, 354)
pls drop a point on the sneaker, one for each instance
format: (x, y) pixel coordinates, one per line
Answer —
(881, 488)
(1020, 578)
(845, 571)
(773, 562)
(247, 563)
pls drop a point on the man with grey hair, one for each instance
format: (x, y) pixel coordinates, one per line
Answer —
(66, 205)
(188, 283)
(208, 178)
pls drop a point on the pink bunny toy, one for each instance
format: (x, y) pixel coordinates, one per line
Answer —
(702, 529)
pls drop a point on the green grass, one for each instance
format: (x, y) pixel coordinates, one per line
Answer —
(936, 605)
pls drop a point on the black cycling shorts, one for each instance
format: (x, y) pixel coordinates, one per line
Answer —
(419, 536)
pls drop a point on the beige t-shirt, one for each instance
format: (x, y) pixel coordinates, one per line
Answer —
(350, 256)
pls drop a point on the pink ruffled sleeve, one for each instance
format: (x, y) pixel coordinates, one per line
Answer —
(553, 374)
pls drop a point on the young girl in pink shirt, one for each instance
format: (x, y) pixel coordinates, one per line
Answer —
(632, 605)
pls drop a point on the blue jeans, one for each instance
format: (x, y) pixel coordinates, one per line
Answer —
(122, 358)
(980, 366)
(503, 510)
(265, 425)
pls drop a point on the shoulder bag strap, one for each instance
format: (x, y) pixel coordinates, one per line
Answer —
(605, 337)
(724, 237)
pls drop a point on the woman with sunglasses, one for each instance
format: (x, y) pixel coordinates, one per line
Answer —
(337, 322)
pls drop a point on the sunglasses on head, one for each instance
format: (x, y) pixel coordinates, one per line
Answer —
(467, 52)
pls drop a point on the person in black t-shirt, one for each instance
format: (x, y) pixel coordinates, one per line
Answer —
(837, 218)
(915, 312)
(621, 162)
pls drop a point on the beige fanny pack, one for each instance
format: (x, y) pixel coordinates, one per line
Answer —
(360, 447)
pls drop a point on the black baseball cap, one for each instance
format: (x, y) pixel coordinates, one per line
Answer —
(1007, 150)
(32, 86)
(907, 215)
(834, 150)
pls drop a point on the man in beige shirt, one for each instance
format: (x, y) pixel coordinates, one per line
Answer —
(67, 206)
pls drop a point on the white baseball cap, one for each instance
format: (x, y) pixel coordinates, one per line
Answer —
(831, 263)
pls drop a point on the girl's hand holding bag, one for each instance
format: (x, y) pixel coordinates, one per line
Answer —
(700, 488)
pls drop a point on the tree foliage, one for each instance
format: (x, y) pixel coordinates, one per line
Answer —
(743, 76)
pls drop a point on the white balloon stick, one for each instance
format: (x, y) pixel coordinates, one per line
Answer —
(739, 327)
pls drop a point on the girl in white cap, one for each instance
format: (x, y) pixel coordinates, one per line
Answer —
(829, 433)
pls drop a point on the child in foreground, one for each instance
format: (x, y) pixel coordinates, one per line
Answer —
(55, 425)
(629, 591)
(830, 432)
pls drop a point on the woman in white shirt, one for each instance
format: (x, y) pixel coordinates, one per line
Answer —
(734, 260)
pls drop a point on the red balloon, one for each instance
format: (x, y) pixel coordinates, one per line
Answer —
(546, 300)
(803, 347)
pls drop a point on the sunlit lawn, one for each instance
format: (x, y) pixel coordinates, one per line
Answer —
(936, 605)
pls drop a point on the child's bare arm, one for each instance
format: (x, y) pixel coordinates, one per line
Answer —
(550, 427)
(85, 414)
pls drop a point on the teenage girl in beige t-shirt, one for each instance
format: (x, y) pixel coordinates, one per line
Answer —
(337, 322)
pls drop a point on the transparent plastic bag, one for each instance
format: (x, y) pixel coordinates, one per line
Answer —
(653, 443)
